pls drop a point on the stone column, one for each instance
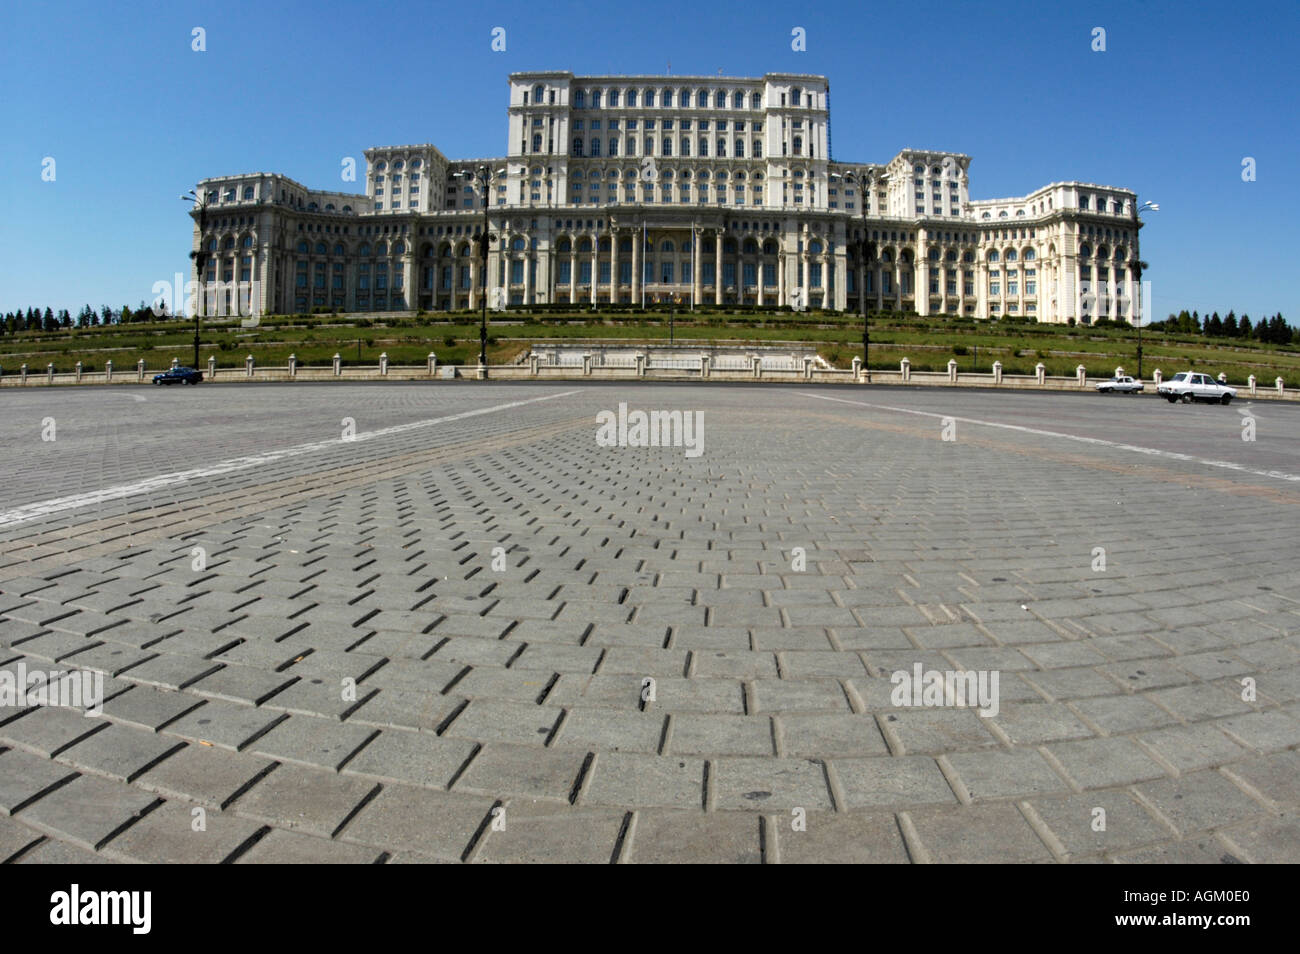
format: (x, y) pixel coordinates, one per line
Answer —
(573, 273)
(717, 268)
(636, 266)
(613, 267)
(697, 266)
(410, 280)
(595, 268)
(921, 273)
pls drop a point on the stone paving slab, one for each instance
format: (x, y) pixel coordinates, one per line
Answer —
(650, 675)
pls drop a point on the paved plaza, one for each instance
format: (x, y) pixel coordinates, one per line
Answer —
(443, 622)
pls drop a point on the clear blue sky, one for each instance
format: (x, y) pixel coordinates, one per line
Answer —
(133, 117)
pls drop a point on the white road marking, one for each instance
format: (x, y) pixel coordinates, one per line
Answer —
(1151, 451)
(45, 508)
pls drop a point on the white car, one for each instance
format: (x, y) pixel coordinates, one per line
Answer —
(1122, 384)
(1189, 386)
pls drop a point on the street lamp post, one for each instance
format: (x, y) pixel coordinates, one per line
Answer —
(866, 251)
(1137, 266)
(484, 177)
(200, 260)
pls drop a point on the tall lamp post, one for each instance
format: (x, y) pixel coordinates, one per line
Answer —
(866, 253)
(1137, 267)
(483, 177)
(200, 257)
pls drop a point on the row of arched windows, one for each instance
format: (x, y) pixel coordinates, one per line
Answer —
(1011, 254)
(665, 98)
(668, 146)
(1085, 251)
(364, 250)
(398, 164)
(228, 243)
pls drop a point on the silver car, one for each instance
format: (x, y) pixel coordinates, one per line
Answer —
(1122, 384)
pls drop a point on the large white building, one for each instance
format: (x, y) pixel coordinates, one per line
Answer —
(699, 189)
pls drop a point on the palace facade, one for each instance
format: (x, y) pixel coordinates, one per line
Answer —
(694, 189)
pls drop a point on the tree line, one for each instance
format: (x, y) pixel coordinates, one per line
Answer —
(1272, 330)
(33, 319)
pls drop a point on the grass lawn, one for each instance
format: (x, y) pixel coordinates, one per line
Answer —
(928, 342)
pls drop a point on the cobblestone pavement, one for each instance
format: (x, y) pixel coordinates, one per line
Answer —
(474, 634)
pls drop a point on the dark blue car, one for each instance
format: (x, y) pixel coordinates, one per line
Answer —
(178, 376)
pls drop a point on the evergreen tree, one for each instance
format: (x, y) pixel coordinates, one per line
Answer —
(1230, 326)
(1264, 330)
(65, 319)
(1277, 330)
(106, 314)
(1243, 327)
(49, 323)
(1214, 326)
(127, 315)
